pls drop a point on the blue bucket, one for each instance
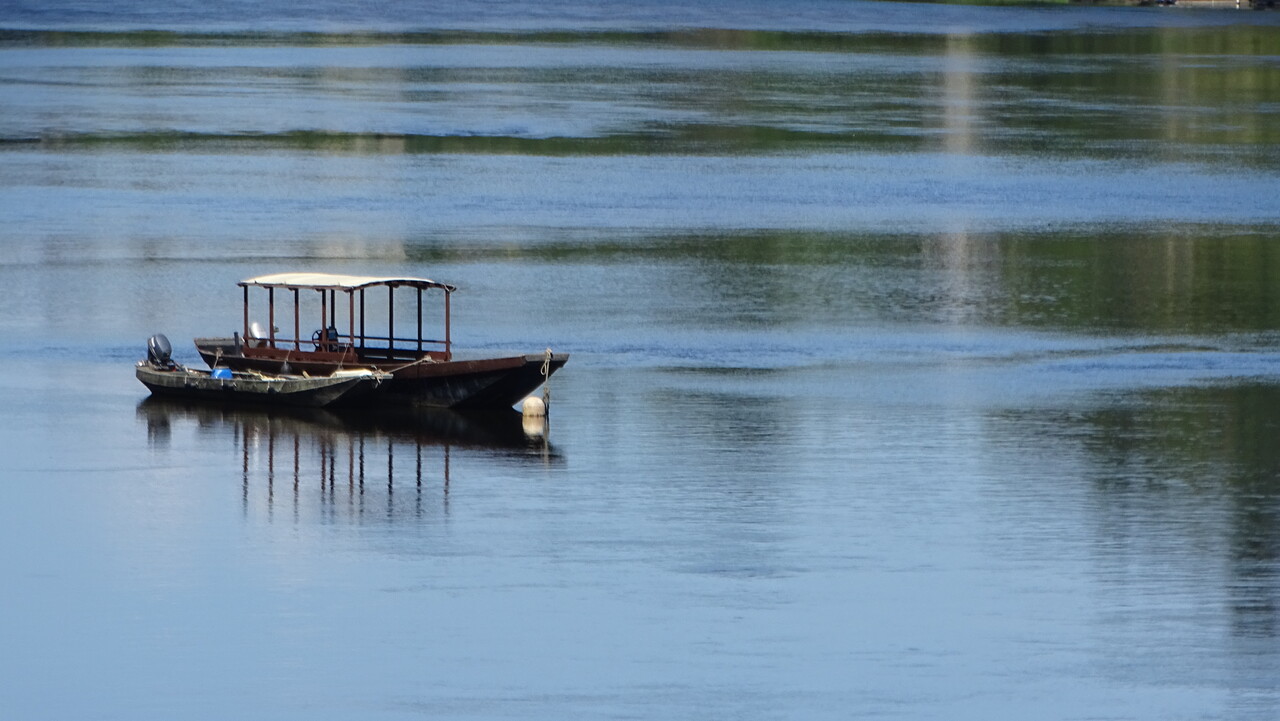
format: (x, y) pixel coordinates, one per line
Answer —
(224, 373)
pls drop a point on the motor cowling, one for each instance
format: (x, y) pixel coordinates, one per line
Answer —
(159, 351)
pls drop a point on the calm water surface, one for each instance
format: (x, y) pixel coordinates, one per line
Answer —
(924, 361)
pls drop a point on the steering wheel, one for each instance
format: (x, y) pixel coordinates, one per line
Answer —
(320, 340)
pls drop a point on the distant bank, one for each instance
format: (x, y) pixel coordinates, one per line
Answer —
(1256, 4)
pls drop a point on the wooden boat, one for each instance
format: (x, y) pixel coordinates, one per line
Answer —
(163, 377)
(357, 327)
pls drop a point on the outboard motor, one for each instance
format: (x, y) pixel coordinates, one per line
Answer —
(159, 352)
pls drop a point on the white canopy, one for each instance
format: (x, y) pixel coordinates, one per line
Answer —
(330, 281)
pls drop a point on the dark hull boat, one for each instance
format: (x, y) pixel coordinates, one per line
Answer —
(354, 333)
(479, 383)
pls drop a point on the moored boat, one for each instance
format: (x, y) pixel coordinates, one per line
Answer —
(163, 377)
(357, 327)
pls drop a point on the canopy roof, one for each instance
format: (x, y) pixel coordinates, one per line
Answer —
(330, 281)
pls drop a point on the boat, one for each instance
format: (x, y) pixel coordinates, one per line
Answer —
(163, 377)
(362, 323)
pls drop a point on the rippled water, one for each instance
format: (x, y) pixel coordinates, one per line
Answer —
(924, 361)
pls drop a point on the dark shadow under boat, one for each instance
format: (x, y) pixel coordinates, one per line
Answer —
(501, 431)
(296, 463)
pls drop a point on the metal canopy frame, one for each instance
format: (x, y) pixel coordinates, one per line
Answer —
(329, 340)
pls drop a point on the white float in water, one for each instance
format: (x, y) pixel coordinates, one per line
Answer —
(534, 412)
(534, 407)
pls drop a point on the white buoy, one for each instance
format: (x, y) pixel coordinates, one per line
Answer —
(534, 416)
(533, 407)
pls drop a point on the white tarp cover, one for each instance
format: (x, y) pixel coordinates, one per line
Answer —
(330, 281)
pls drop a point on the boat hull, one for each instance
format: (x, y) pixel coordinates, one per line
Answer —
(498, 382)
(293, 391)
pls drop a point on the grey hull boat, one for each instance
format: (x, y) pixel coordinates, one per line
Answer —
(163, 377)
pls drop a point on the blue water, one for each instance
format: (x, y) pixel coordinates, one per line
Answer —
(923, 361)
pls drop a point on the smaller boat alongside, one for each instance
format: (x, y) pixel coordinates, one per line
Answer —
(163, 377)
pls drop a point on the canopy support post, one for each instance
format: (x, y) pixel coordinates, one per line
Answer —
(271, 316)
(324, 321)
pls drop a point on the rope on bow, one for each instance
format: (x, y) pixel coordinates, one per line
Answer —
(546, 384)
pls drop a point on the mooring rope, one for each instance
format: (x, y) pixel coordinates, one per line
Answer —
(427, 359)
(546, 382)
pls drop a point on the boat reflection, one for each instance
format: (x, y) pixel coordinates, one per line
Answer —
(358, 464)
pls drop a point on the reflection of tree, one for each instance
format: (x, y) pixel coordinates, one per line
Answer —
(1173, 91)
(1192, 86)
(350, 467)
(1187, 474)
(1175, 280)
